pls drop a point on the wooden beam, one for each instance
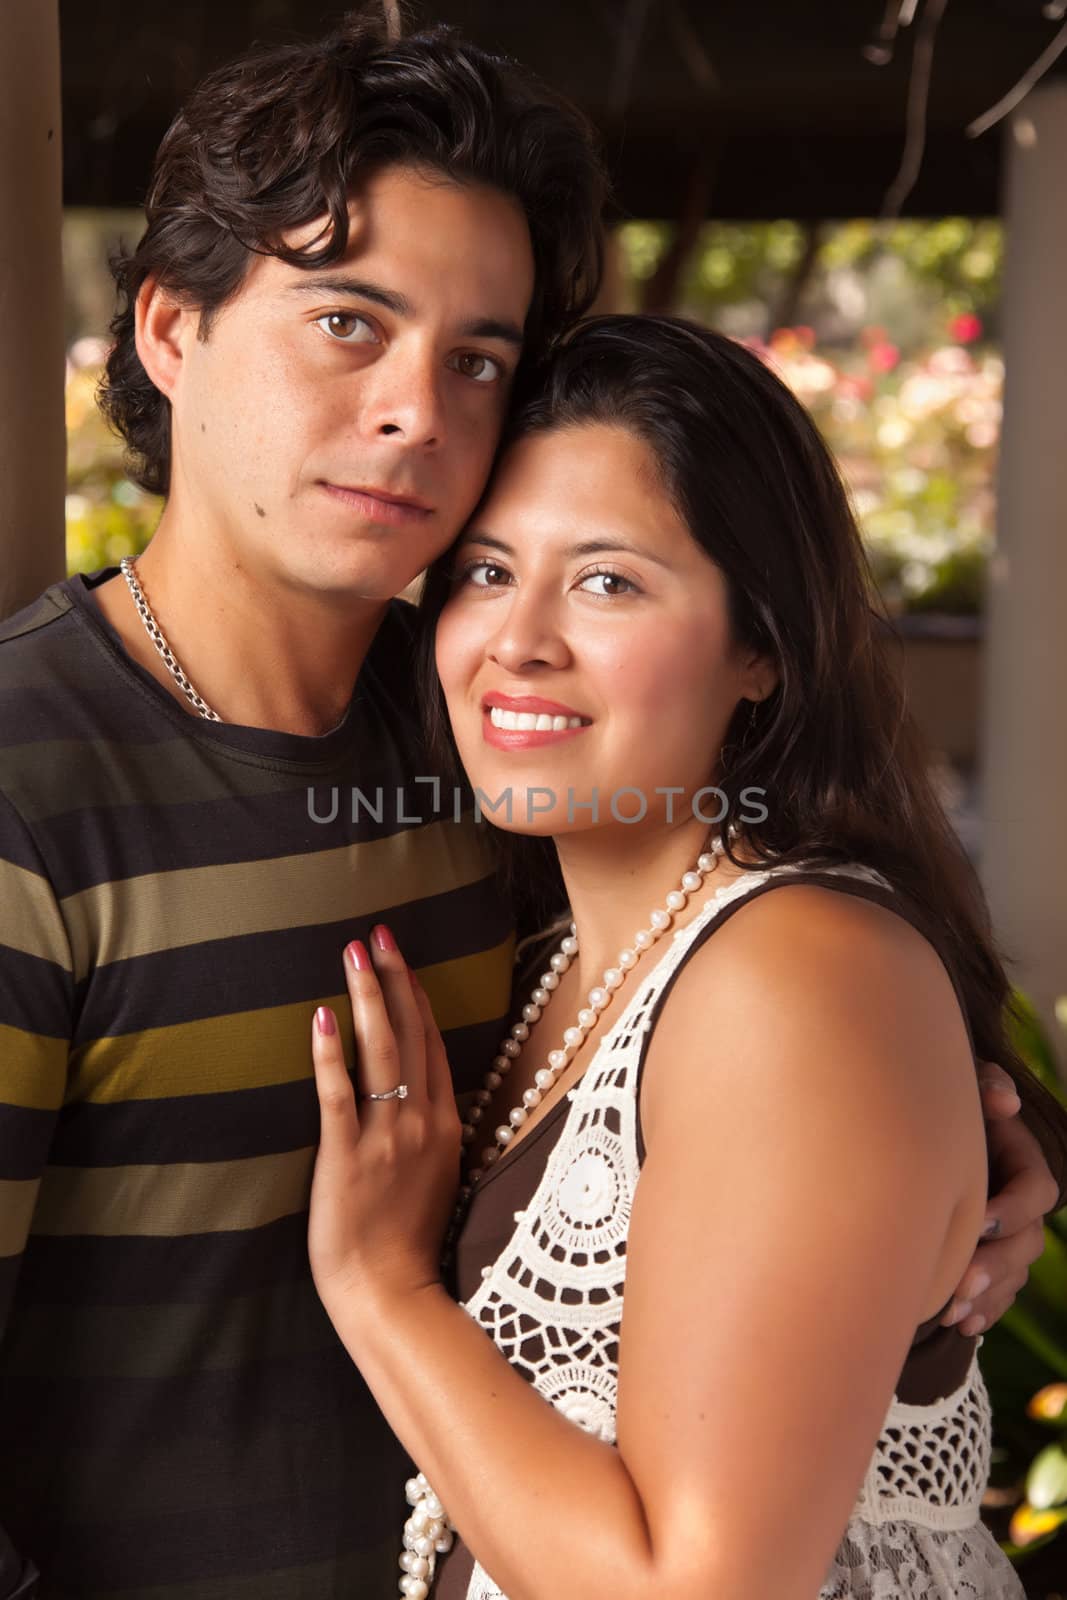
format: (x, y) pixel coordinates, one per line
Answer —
(1023, 862)
(32, 438)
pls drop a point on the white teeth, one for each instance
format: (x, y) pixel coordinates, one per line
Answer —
(528, 722)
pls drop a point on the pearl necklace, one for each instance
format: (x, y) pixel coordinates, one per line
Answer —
(427, 1533)
(574, 1037)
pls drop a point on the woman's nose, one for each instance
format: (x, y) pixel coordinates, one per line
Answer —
(529, 637)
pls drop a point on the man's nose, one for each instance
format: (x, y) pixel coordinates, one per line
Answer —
(403, 398)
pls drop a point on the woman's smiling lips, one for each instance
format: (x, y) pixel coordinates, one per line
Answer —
(525, 721)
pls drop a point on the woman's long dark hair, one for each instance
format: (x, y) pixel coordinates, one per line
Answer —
(834, 746)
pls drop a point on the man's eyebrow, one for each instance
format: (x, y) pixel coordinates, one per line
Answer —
(492, 328)
(588, 547)
(391, 300)
(355, 289)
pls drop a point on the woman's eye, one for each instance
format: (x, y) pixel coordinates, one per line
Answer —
(345, 327)
(479, 368)
(485, 575)
(613, 583)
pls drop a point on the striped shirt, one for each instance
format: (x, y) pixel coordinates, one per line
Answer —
(177, 1418)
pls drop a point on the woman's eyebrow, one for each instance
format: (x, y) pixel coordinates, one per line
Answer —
(587, 547)
(602, 547)
(477, 537)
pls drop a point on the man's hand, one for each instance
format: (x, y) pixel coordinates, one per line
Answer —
(1014, 1235)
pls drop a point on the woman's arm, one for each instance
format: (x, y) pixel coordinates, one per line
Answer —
(780, 1151)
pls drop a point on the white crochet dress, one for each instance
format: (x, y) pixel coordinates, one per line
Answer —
(915, 1530)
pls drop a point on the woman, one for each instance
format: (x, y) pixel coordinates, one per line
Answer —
(767, 1090)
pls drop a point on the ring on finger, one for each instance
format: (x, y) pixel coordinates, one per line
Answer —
(399, 1093)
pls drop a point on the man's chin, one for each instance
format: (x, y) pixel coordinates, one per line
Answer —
(350, 575)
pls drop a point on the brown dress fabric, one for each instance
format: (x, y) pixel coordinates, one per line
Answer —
(938, 1359)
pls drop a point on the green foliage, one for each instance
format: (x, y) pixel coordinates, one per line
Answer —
(1028, 1037)
(108, 517)
(1024, 1355)
(954, 264)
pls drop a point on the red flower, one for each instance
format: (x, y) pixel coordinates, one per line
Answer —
(883, 357)
(965, 328)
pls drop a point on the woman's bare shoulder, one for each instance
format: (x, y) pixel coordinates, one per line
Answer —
(829, 941)
(810, 988)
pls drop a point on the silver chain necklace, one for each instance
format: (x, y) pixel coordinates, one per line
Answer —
(156, 634)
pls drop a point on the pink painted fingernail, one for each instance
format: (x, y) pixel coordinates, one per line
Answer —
(979, 1284)
(961, 1309)
(324, 1021)
(357, 954)
(383, 938)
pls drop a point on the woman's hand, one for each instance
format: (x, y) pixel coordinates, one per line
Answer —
(1014, 1234)
(386, 1174)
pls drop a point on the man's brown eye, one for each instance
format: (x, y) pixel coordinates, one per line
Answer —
(346, 327)
(479, 368)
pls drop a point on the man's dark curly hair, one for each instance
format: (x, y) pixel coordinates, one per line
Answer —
(282, 136)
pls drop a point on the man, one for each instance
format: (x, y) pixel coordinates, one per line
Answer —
(350, 247)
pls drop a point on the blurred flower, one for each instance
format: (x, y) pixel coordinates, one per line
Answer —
(916, 441)
(1050, 1403)
(894, 432)
(88, 352)
(883, 357)
(966, 328)
(1028, 1524)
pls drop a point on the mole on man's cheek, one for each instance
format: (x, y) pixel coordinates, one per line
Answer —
(259, 509)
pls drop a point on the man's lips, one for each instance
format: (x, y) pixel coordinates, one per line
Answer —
(379, 505)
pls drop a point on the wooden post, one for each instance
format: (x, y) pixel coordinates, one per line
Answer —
(1024, 860)
(32, 431)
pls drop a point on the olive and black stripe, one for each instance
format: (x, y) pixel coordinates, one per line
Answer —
(177, 1418)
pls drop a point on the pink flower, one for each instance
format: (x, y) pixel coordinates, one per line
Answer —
(965, 328)
(854, 386)
(883, 357)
